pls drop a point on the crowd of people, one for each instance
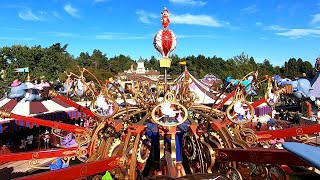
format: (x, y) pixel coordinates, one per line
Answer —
(279, 120)
(37, 138)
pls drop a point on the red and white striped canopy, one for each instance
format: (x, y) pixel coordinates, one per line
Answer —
(35, 107)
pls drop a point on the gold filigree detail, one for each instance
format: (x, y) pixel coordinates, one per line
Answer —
(272, 94)
(236, 112)
(5, 114)
(165, 112)
(52, 93)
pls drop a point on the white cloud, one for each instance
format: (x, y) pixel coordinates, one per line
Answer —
(299, 33)
(275, 28)
(145, 17)
(121, 36)
(315, 19)
(190, 19)
(189, 2)
(249, 10)
(71, 10)
(28, 15)
(258, 23)
(56, 14)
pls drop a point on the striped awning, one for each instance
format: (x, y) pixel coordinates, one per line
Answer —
(53, 110)
(34, 107)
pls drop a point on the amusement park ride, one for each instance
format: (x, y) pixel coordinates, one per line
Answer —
(166, 135)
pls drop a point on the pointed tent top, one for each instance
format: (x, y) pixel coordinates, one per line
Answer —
(140, 59)
(28, 78)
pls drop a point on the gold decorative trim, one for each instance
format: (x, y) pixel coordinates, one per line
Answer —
(5, 114)
(52, 93)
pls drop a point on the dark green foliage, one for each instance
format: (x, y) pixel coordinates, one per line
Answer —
(51, 62)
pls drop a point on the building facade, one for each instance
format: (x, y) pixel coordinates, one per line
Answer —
(140, 72)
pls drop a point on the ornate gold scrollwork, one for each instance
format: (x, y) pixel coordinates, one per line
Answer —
(239, 111)
(272, 94)
(4, 114)
(52, 93)
(34, 163)
(103, 106)
(185, 96)
(208, 155)
(304, 138)
(83, 140)
(169, 112)
(249, 136)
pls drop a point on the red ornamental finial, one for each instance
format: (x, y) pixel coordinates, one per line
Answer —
(165, 18)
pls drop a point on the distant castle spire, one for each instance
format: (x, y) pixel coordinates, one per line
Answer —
(140, 59)
(28, 78)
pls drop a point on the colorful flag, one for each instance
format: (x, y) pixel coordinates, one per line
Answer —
(183, 62)
(25, 69)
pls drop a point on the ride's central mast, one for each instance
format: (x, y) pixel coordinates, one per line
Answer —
(165, 41)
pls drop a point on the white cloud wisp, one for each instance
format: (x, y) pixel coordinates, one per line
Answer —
(71, 10)
(28, 15)
(146, 17)
(299, 33)
(189, 2)
(190, 19)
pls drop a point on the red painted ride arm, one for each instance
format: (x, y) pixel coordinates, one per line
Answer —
(80, 108)
(260, 156)
(76, 105)
(38, 154)
(220, 104)
(48, 123)
(78, 171)
(289, 132)
(257, 103)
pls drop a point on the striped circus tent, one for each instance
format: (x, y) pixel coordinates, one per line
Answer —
(205, 94)
(54, 110)
(315, 86)
(210, 80)
(208, 96)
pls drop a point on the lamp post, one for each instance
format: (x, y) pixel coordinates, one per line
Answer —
(164, 42)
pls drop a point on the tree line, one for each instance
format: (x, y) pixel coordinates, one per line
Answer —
(51, 62)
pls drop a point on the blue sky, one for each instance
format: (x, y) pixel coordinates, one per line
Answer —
(275, 30)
